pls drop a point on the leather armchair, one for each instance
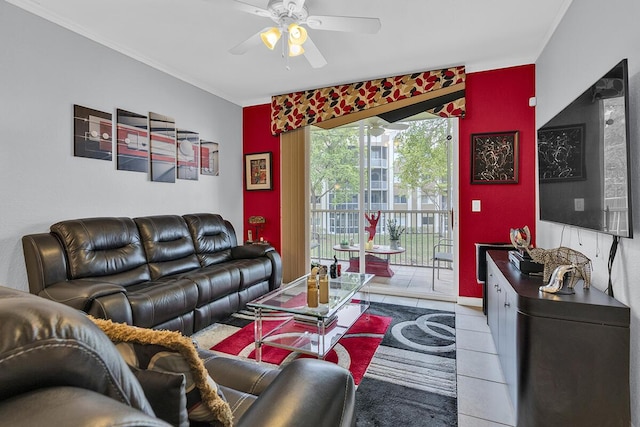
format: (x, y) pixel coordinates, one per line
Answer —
(58, 368)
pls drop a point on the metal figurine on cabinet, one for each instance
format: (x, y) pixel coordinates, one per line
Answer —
(573, 262)
(558, 278)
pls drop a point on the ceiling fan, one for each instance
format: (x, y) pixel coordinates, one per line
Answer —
(290, 16)
(378, 126)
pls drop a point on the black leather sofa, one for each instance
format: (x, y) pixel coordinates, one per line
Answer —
(170, 272)
(57, 368)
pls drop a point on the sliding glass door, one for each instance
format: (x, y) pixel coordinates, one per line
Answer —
(398, 173)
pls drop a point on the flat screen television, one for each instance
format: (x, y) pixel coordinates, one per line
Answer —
(584, 171)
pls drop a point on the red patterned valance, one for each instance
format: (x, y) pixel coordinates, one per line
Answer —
(310, 107)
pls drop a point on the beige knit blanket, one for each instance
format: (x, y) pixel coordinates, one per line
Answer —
(120, 332)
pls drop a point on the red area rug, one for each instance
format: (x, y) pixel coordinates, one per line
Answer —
(353, 351)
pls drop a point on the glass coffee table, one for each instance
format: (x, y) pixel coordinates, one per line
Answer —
(309, 330)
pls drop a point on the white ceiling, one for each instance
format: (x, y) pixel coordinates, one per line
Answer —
(190, 39)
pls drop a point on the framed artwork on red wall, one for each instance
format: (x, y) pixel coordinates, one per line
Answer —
(494, 158)
(257, 171)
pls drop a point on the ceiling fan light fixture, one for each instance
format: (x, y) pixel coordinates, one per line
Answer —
(295, 49)
(270, 37)
(376, 131)
(297, 34)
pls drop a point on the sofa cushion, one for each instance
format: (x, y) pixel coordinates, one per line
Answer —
(252, 271)
(213, 237)
(109, 247)
(168, 351)
(155, 302)
(215, 281)
(168, 245)
(241, 380)
(165, 391)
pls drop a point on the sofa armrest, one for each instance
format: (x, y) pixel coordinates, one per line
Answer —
(44, 259)
(242, 375)
(71, 406)
(80, 293)
(257, 251)
(308, 392)
(275, 281)
(250, 251)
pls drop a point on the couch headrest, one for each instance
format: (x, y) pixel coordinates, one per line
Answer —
(46, 344)
(100, 246)
(168, 244)
(213, 237)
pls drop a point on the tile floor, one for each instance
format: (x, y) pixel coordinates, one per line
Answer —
(483, 399)
(412, 281)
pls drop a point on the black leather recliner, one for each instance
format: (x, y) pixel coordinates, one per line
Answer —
(58, 368)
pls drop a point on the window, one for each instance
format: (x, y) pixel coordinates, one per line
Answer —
(399, 199)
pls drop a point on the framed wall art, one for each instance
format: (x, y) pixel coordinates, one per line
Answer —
(494, 158)
(188, 154)
(92, 133)
(132, 132)
(257, 170)
(561, 153)
(163, 148)
(209, 158)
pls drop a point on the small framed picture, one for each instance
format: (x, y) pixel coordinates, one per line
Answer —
(257, 171)
(494, 158)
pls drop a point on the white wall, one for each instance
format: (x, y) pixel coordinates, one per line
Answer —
(44, 70)
(593, 37)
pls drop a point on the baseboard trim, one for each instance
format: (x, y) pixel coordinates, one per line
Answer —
(470, 301)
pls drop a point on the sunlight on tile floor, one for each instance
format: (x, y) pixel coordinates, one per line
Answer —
(412, 281)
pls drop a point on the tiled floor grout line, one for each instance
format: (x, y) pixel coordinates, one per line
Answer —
(477, 351)
(481, 379)
(489, 421)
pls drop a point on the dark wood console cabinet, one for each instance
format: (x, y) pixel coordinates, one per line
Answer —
(565, 358)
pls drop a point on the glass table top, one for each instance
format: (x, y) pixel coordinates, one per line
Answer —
(292, 298)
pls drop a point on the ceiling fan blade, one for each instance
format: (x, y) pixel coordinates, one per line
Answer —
(249, 8)
(248, 44)
(344, 23)
(397, 126)
(294, 5)
(378, 123)
(313, 55)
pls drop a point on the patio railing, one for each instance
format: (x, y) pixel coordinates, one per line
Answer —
(423, 230)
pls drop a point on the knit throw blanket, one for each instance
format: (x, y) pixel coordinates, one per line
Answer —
(174, 341)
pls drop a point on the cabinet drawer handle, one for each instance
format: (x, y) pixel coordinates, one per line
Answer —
(495, 286)
(507, 304)
(499, 289)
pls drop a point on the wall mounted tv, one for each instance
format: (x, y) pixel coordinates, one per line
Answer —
(584, 171)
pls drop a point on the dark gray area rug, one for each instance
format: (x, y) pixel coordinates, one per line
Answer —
(411, 380)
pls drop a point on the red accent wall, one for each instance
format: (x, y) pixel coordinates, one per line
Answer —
(257, 138)
(497, 100)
